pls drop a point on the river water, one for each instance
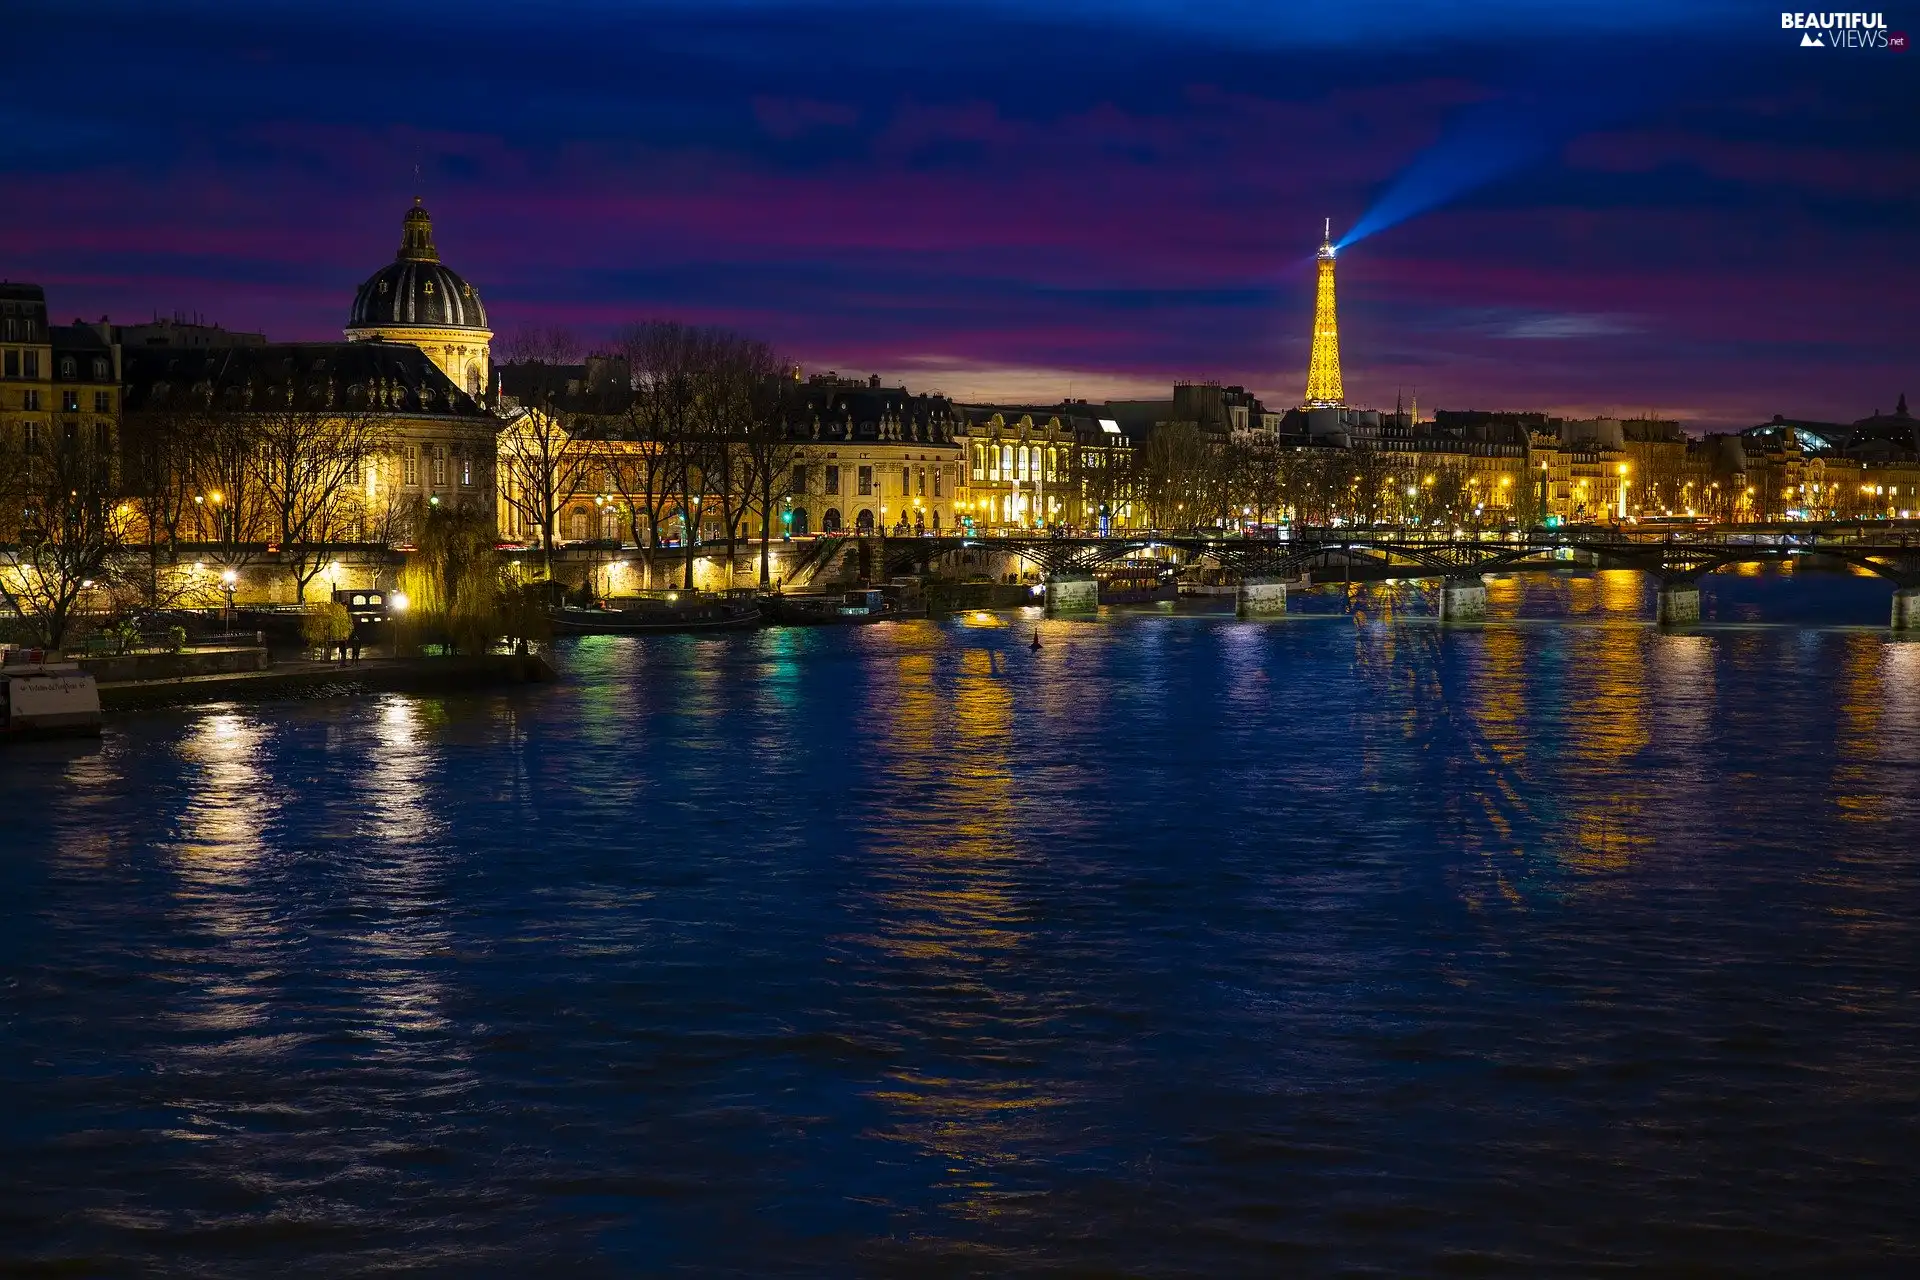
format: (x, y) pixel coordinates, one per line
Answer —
(1338, 944)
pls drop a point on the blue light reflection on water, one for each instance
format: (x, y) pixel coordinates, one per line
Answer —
(1177, 944)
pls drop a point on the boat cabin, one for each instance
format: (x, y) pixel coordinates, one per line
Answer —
(42, 699)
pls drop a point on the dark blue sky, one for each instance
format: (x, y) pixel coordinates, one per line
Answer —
(1635, 206)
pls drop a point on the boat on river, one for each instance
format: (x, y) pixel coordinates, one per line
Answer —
(848, 608)
(656, 617)
(42, 699)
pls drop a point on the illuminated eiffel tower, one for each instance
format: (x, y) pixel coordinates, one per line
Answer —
(1323, 371)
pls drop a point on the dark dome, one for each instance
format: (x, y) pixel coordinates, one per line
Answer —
(415, 289)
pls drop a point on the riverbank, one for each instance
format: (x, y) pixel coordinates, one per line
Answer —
(329, 680)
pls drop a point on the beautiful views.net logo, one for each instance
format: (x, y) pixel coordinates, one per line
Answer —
(1844, 31)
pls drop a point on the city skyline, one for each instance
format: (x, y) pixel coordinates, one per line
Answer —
(1133, 200)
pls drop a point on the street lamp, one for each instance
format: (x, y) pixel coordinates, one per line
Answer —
(228, 580)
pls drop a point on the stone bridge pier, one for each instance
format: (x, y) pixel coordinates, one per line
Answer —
(1071, 593)
(1260, 597)
(1463, 599)
(1906, 609)
(1677, 603)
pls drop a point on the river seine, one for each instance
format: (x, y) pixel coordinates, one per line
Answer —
(1340, 944)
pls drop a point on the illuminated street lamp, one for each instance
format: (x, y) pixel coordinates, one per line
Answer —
(228, 580)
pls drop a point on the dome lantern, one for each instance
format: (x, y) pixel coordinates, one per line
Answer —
(416, 236)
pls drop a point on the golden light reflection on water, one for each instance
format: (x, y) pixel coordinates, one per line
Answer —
(945, 906)
(400, 896)
(1496, 707)
(1476, 695)
(1855, 784)
(397, 763)
(231, 803)
(1609, 727)
(1900, 681)
(1680, 679)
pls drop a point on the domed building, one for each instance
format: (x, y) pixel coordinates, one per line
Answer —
(418, 300)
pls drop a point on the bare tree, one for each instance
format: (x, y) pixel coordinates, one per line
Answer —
(1263, 477)
(667, 359)
(157, 449)
(770, 452)
(541, 458)
(60, 516)
(229, 514)
(1444, 494)
(1374, 475)
(745, 435)
(308, 461)
(545, 345)
(635, 472)
(1175, 465)
(541, 468)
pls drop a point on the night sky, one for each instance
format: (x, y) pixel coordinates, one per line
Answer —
(1636, 206)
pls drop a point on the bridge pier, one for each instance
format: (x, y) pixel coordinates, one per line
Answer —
(1906, 609)
(1463, 600)
(1677, 604)
(1071, 593)
(1260, 598)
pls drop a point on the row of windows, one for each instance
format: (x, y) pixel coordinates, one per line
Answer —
(1016, 462)
(438, 469)
(69, 401)
(26, 364)
(868, 479)
(830, 521)
(32, 433)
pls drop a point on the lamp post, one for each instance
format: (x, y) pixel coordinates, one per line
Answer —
(228, 580)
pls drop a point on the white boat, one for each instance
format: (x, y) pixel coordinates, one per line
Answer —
(40, 699)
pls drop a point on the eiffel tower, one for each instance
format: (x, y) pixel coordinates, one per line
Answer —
(1323, 370)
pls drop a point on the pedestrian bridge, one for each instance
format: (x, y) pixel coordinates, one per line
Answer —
(1264, 567)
